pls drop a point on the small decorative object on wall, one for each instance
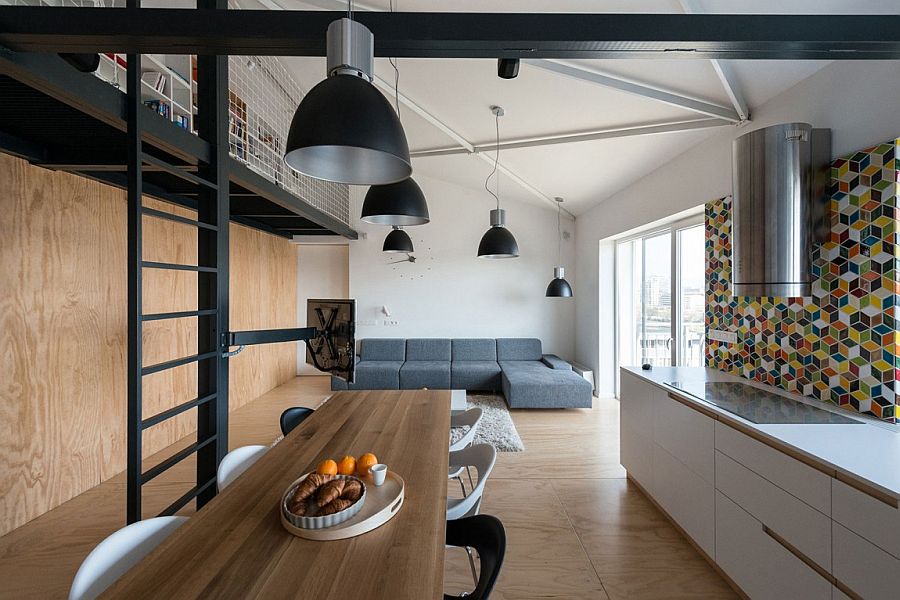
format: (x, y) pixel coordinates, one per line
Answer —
(497, 242)
(840, 344)
(344, 129)
(559, 287)
(397, 241)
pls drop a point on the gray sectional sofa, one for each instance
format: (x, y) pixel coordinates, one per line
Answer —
(516, 366)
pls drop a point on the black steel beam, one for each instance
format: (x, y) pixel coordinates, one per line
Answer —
(270, 336)
(455, 35)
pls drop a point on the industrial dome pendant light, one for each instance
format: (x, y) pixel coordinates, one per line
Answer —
(397, 241)
(559, 287)
(344, 129)
(498, 241)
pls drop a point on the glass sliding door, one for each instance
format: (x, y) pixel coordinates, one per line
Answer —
(661, 296)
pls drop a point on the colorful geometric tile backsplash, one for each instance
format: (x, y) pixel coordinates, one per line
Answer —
(840, 345)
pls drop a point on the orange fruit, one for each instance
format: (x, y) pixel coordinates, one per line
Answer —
(327, 467)
(365, 461)
(347, 466)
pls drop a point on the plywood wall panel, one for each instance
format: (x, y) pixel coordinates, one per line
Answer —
(63, 326)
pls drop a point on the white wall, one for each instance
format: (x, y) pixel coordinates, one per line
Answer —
(449, 291)
(323, 271)
(856, 99)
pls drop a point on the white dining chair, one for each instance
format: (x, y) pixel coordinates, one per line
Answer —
(472, 419)
(236, 462)
(480, 457)
(118, 553)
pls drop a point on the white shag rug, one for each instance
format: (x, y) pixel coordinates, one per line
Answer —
(496, 427)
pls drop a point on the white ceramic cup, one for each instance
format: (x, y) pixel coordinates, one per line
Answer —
(378, 473)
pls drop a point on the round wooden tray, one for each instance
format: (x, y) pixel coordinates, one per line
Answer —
(382, 503)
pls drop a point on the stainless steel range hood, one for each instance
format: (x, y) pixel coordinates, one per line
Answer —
(780, 211)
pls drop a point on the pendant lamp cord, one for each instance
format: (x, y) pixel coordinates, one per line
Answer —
(393, 62)
(496, 164)
(558, 233)
(350, 9)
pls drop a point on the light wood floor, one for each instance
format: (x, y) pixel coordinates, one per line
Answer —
(576, 527)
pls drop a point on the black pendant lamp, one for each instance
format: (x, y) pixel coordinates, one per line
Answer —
(498, 241)
(344, 129)
(397, 241)
(401, 203)
(559, 287)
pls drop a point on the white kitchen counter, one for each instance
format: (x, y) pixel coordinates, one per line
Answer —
(868, 453)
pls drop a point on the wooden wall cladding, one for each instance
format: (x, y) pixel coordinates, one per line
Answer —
(63, 331)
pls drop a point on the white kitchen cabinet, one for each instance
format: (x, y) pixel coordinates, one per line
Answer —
(863, 567)
(635, 454)
(868, 517)
(761, 566)
(686, 434)
(687, 497)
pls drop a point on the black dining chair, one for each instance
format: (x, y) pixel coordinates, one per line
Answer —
(292, 417)
(487, 536)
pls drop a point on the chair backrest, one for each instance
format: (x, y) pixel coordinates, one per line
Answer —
(435, 349)
(481, 457)
(236, 462)
(292, 417)
(392, 349)
(474, 349)
(118, 553)
(484, 533)
(470, 418)
(518, 349)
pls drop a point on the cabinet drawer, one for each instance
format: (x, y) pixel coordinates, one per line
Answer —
(760, 565)
(687, 497)
(801, 480)
(636, 404)
(866, 516)
(863, 567)
(688, 435)
(636, 455)
(802, 526)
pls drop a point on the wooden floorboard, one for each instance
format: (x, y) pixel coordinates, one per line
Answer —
(577, 529)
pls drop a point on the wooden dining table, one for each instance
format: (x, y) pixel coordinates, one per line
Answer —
(236, 546)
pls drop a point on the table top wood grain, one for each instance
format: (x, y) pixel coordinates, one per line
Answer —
(236, 547)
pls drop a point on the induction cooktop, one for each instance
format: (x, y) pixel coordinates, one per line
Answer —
(760, 406)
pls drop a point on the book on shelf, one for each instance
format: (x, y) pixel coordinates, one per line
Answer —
(161, 107)
(154, 79)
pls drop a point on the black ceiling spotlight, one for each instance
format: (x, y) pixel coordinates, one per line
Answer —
(507, 68)
(559, 287)
(344, 129)
(497, 242)
(397, 241)
(401, 203)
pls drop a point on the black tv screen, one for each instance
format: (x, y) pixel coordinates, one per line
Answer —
(333, 349)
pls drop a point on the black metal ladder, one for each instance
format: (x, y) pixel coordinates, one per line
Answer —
(213, 213)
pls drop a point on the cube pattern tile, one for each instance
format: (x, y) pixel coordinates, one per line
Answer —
(841, 344)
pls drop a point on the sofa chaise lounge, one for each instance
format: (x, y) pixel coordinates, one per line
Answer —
(516, 366)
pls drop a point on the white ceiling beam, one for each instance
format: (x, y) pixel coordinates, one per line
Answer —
(638, 88)
(723, 71)
(579, 136)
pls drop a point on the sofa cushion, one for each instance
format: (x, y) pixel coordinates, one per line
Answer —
(428, 349)
(518, 349)
(546, 388)
(474, 349)
(555, 362)
(431, 374)
(377, 375)
(381, 349)
(474, 375)
(518, 365)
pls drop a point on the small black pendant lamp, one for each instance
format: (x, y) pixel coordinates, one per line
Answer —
(559, 287)
(397, 241)
(344, 129)
(498, 241)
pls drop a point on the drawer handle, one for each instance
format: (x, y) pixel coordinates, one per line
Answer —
(694, 406)
(811, 563)
(868, 491)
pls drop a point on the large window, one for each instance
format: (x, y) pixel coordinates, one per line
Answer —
(660, 297)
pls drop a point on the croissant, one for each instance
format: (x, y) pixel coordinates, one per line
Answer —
(299, 508)
(334, 506)
(309, 486)
(330, 491)
(353, 489)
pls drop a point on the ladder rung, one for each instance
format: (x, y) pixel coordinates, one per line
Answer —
(176, 410)
(171, 364)
(176, 267)
(177, 172)
(190, 495)
(178, 315)
(174, 459)
(160, 214)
